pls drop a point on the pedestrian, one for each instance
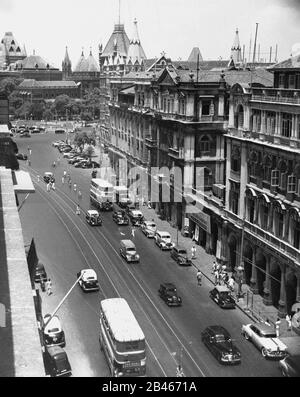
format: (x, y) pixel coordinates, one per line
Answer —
(224, 268)
(133, 231)
(149, 204)
(231, 283)
(30, 152)
(289, 322)
(53, 164)
(75, 187)
(77, 210)
(218, 267)
(199, 277)
(38, 178)
(193, 237)
(48, 187)
(193, 249)
(65, 173)
(226, 278)
(63, 180)
(216, 277)
(214, 267)
(79, 194)
(267, 322)
(49, 286)
(277, 326)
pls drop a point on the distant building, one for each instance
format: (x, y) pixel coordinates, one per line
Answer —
(10, 51)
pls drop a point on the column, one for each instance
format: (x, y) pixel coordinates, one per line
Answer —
(231, 116)
(253, 280)
(221, 106)
(263, 122)
(282, 299)
(211, 108)
(293, 132)
(246, 118)
(267, 287)
(243, 180)
(228, 161)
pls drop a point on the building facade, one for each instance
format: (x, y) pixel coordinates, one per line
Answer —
(262, 206)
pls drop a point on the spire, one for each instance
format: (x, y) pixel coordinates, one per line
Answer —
(67, 59)
(236, 52)
(135, 37)
(135, 50)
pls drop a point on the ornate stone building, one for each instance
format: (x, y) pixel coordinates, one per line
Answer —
(262, 206)
(10, 51)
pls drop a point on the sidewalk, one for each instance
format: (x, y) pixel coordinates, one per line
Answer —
(250, 304)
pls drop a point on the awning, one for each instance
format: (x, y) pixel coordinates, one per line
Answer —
(265, 197)
(22, 182)
(252, 191)
(280, 203)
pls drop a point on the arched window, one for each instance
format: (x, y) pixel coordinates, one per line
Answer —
(267, 168)
(239, 117)
(264, 205)
(278, 219)
(204, 144)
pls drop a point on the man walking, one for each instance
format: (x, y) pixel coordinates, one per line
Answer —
(193, 249)
(277, 327)
(133, 232)
(214, 267)
(289, 322)
(77, 210)
(199, 277)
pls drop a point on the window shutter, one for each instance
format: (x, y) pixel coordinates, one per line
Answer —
(274, 178)
(283, 180)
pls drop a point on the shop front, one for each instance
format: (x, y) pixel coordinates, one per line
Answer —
(200, 229)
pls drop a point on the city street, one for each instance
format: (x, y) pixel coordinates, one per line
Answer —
(66, 244)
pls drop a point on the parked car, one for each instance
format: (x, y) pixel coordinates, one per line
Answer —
(60, 131)
(25, 134)
(290, 366)
(49, 177)
(65, 149)
(22, 156)
(136, 217)
(53, 333)
(168, 292)
(87, 164)
(179, 254)
(128, 251)
(35, 131)
(57, 362)
(130, 207)
(148, 228)
(222, 296)
(120, 218)
(88, 281)
(263, 336)
(93, 218)
(95, 164)
(75, 160)
(69, 154)
(218, 340)
(163, 240)
(40, 273)
(57, 143)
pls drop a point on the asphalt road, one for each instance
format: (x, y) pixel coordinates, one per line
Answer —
(67, 244)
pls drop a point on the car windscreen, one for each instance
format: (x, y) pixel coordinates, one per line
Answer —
(53, 330)
(130, 249)
(220, 338)
(269, 335)
(182, 252)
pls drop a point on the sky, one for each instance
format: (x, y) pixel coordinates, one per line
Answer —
(170, 26)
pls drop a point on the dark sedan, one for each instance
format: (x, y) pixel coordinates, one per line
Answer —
(21, 156)
(120, 218)
(218, 340)
(168, 292)
(222, 296)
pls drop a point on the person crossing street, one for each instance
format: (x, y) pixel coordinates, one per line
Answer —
(199, 277)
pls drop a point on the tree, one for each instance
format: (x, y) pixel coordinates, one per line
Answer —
(89, 152)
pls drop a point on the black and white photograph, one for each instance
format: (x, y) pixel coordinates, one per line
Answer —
(149, 191)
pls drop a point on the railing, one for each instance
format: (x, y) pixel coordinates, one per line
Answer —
(277, 98)
(176, 153)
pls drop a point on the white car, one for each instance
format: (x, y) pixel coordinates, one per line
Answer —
(149, 228)
(163, 240)
(53, 333)
(263, 336)
(89, 280)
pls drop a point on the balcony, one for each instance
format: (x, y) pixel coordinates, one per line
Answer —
(150, 142)
(276, 95)
(176, 153)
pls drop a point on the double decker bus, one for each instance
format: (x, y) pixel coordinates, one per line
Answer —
(122, 339)
(102, 194)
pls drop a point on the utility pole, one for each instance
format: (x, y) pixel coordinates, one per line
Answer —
(62, 301)
(270, 54)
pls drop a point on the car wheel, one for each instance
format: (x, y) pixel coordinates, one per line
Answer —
(264, 352)
(246, 336)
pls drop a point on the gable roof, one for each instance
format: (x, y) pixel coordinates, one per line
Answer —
(290, 63)
(194, 55)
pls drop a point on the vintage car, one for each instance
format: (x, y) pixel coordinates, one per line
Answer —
(49, 177)
(22, 156)
(179, 254)
(218, 340)
(136, 217)
(168, 292)
(290, 366)
(148, 228)
(40, 273)
(93, 218)
(263, 336)
(53, 333)
(163, 240)
(128, 251)
(120, 218)
(88, 281)
(56, 361)
(222, 296)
